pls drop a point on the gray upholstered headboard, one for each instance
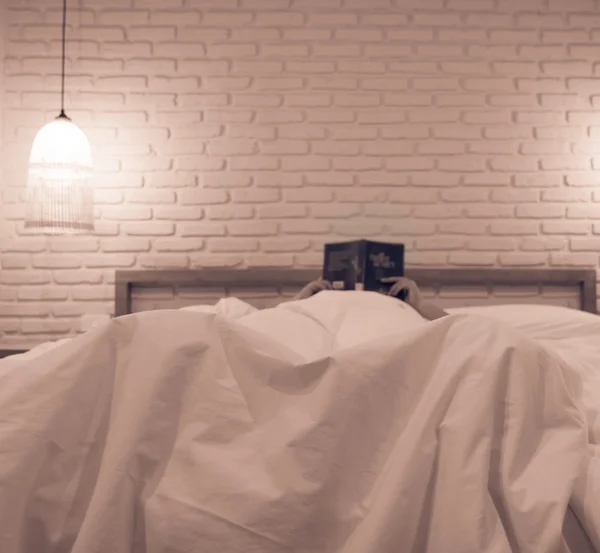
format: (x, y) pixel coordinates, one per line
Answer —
(583, 280)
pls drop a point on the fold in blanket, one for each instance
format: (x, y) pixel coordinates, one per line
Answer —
(178, 431)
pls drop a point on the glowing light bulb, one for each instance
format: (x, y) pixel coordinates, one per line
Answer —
(60, 195)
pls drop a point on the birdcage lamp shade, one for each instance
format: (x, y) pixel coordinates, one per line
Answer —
(60, 196)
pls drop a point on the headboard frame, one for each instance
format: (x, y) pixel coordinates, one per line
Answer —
(583, 279)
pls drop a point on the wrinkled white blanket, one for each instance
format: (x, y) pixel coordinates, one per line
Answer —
(313, 427)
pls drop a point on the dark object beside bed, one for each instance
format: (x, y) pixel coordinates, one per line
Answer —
(8, 352)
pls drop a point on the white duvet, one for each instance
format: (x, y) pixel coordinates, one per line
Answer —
(340, 424)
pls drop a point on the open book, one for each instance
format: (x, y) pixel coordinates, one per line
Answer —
(361, 264)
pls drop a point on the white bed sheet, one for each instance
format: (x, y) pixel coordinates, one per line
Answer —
(340, 424)
(575, 336)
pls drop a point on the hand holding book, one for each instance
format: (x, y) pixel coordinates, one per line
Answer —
(402, 288)
(405, 289)
(409, 292)
(371, 266)
(312, 288)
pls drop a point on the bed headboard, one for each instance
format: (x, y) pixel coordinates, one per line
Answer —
(583, 280)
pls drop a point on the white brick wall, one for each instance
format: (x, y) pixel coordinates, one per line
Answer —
(248, 132)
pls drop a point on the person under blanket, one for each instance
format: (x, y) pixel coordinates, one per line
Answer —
(413, 296)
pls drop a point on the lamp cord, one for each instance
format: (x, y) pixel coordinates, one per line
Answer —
(64, 31)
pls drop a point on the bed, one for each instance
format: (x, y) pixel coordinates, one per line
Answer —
(344, 423)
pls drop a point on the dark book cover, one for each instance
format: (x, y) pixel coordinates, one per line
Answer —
(361, 264)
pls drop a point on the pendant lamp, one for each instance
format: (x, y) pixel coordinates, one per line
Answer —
(60, 195)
